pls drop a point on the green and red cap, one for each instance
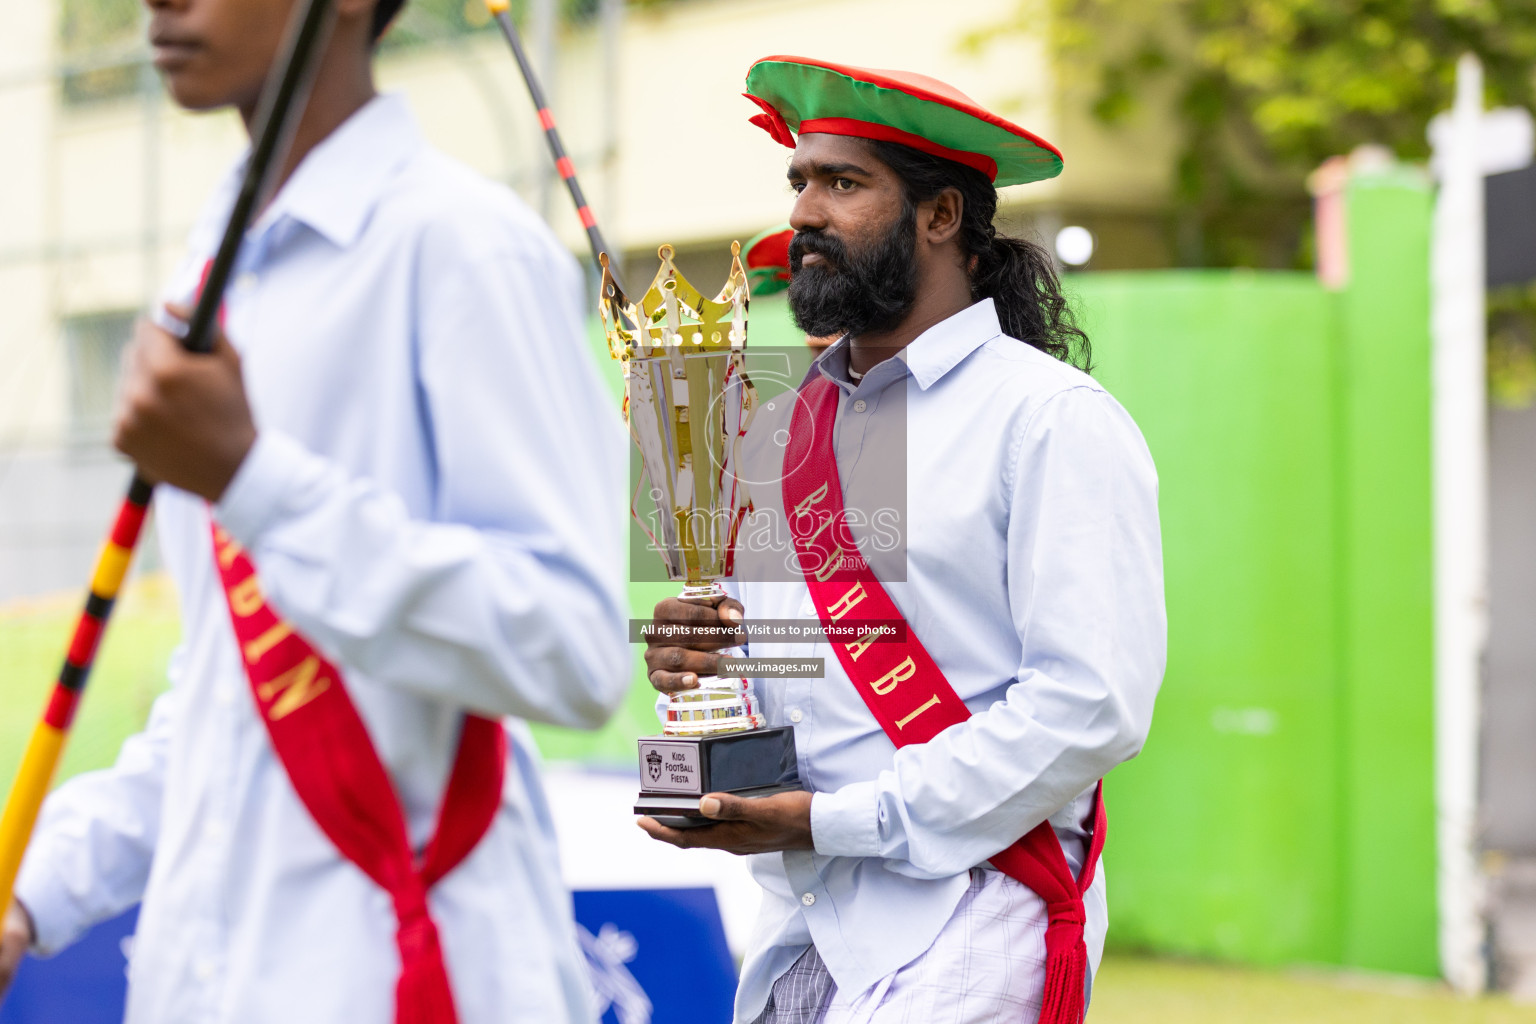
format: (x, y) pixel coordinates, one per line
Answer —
(799, 95)
(767, 260)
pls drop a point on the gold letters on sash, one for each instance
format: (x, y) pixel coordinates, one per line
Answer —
(245, 599)
(811, 500)
(832, 564)
(900, 674)
(843, 605)
(300, 684)
(859, 646)
(228, 549)
(279, 632)
(902, 723)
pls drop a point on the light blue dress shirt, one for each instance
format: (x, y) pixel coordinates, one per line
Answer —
(432, 503)
(1030, 568)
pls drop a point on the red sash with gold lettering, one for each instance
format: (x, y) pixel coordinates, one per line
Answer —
(325, 750)
(907, 691)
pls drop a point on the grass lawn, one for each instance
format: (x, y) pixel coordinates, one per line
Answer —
(129, 674)
(1151, 991)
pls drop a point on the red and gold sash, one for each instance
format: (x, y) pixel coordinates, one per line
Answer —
(906, 690)
(325, 750)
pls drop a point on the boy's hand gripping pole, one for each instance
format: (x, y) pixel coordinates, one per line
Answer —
(282, 101)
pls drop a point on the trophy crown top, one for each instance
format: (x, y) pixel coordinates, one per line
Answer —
(689, 401)
(673, 315)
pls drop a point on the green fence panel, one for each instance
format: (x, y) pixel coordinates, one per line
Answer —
(1224, 837)
(1387, 657)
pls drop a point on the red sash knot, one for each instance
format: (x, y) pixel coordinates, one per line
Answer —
(326, 753)
(1038, 862)
(422, 993)
(906, 690)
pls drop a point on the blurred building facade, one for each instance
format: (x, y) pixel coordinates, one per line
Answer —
(105, 176)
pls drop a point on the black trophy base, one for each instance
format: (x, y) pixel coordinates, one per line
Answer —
(676, 771)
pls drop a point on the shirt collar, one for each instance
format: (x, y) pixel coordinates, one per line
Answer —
(941, 347)
(338, 183)
(832, 364)
(931, 354)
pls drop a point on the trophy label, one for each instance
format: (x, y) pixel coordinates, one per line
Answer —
(668, 767)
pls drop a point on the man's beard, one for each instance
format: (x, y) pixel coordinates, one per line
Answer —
(854, 290)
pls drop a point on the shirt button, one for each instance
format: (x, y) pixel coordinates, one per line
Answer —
(203, 970)
(809, 899)
(860, 405)
(796, 714)
(245, 282)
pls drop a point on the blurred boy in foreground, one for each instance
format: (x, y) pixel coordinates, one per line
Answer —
(326, 817)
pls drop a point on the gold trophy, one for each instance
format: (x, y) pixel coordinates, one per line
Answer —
(688, 401)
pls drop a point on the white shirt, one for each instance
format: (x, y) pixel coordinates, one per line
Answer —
(433, 503)
(1031, 570)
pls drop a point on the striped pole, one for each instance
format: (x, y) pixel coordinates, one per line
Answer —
(47, 743)
(276, 118)
(499, 10)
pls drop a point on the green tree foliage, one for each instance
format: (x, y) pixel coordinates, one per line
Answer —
(90, 24)
(97, 39)
(1512, 346)
(429, 20)
(1265, 90)
(87, 27)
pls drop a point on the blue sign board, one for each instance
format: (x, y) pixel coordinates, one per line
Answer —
(85, 984)
(657, 956)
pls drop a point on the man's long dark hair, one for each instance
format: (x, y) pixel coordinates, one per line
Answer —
(1016, 274)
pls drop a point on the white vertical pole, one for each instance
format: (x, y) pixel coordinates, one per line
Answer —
(1459, 426)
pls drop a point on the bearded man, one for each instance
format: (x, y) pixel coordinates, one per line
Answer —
(941, 866)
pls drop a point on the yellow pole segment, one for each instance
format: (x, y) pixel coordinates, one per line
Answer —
(31, 786)
(111, 567)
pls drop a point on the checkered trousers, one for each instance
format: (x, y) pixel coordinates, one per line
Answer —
(987, 966)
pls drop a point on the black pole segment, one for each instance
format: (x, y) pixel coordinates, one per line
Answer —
(556, 147)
